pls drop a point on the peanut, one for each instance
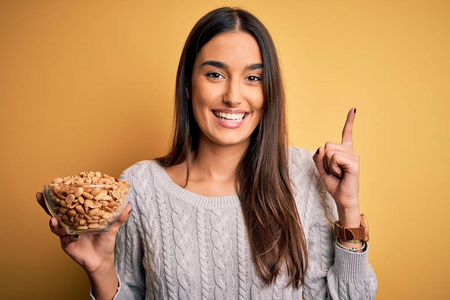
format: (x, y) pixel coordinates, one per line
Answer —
(78, 192)
(93, 212)
(79, 208)
(87, 195)
(57, 180)
(84, 207)
(95, 191)
(101, 195)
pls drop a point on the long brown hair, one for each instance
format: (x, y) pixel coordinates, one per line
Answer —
(275, 232)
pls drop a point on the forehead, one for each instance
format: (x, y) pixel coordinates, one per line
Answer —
(231, 47)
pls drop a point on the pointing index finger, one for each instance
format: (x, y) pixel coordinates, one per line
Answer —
(347, 132)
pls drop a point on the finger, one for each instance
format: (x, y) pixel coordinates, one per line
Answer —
(325, 162)
(338, 148)
(342, 163)
(347, 132)
(329, 149)
(334, 146)
(122, 219)
(319, 161)
(68, 239)
(57, 228)
(41, 201)
(335, 167)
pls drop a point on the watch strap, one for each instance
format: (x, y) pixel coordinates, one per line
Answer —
(345, 233)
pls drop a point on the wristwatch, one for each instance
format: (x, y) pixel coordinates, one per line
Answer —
(360, 233)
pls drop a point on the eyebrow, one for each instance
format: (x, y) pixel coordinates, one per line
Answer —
(222, 65)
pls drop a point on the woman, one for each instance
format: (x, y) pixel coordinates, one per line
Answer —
(231, 212)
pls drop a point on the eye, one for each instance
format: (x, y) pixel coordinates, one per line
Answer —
(253, 78)
(214, 75)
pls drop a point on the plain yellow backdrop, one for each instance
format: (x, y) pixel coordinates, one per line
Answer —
(89, 85)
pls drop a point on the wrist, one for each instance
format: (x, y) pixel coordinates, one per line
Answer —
(352, 234)
(357, 247)
(350, 216)
(102, 269)
(104, 281)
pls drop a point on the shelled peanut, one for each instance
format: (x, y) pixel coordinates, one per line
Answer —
(90, 200)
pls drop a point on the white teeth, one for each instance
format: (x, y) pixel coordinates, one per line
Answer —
(228, 116)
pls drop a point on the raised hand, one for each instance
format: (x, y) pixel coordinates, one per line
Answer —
(338, 166)
(90, 251)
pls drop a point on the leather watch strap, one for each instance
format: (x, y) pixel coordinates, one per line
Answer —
(345, 233)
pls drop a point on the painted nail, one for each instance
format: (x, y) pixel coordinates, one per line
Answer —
(354, 111)
(317, 152)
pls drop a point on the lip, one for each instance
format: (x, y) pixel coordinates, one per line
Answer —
(231, 111)
(230, 124)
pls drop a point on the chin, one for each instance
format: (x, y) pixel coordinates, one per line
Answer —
(232, 141)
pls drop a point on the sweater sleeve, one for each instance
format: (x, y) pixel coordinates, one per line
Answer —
(333, 273)
(129, 252)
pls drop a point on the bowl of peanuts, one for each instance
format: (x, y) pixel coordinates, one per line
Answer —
(86, 203)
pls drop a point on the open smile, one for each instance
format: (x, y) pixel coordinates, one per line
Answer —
(230, 120)
(229, 117)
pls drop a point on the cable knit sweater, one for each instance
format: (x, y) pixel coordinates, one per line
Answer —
(179, 245)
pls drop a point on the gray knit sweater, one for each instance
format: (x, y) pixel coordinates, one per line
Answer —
(179, 245)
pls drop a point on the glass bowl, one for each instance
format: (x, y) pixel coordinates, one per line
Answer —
(86, 208)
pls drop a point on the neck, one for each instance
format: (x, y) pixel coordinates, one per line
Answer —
(216, 162)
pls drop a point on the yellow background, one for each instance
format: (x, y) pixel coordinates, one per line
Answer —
(88, 85)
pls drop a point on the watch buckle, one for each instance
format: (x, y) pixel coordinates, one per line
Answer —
(348, 234)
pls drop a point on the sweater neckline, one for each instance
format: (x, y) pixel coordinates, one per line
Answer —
(189, 197)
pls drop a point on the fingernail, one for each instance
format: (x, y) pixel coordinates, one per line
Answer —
(130, 210)
(354, 111)
(317, 152)
(76, 236)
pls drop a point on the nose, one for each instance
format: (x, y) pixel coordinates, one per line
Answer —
(233, 94)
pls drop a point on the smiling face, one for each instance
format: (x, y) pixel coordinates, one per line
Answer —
(227, 91)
